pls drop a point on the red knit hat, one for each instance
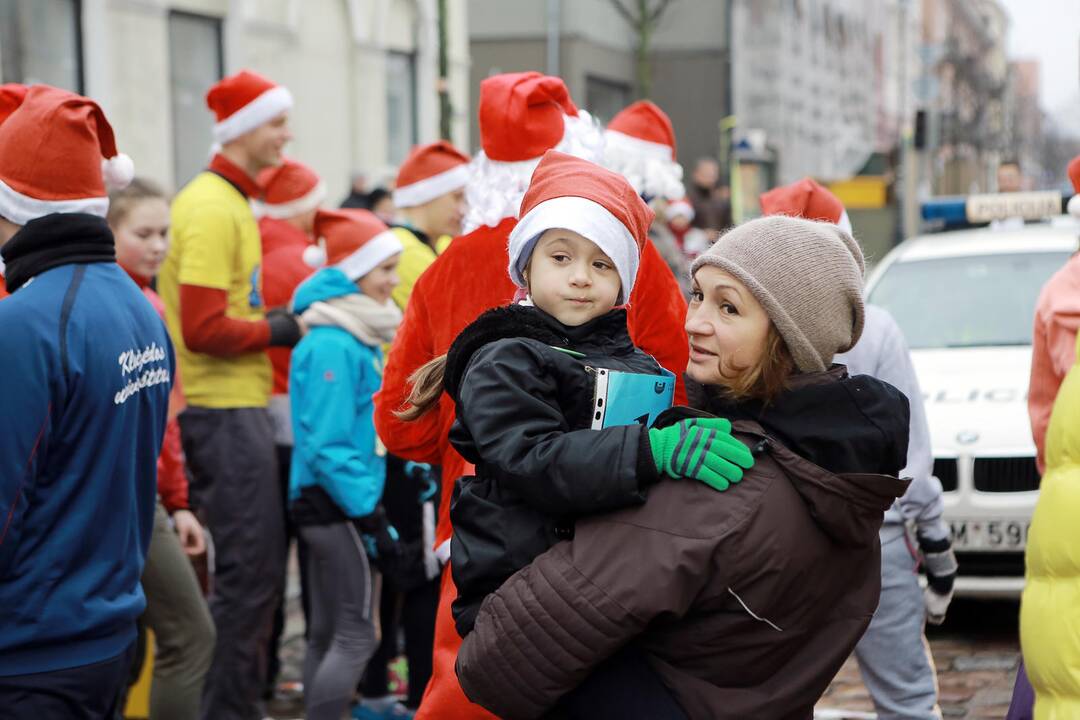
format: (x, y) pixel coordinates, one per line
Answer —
(574, 194)
(640, 145)
(289, 189)
(353, 241)
(1074, 177)
(11, 97)
(806, 199)
(243, 102)
(521, 115)
(58, 155)
(429, 172)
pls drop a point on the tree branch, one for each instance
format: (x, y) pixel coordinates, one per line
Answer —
(656, 13)
(626, 15)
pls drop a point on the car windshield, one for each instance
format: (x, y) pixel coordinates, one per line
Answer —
(969, 301)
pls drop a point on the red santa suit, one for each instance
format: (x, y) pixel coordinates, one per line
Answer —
(471, 277)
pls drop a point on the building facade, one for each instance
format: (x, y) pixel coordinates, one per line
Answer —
(364, 73)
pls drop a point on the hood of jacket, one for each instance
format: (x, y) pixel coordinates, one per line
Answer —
(327, 284)
(841, 440)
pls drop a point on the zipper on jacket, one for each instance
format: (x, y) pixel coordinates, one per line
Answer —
(761, 446)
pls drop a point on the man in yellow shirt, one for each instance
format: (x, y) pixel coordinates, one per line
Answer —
(212, 288)
(430, 197)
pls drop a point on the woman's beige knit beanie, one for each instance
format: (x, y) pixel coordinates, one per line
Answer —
(808, 277)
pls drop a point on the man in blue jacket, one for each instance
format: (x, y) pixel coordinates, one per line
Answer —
(85, 372)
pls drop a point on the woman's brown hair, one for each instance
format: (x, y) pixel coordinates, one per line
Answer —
(765, 379)
(121, 201)
(427, 388)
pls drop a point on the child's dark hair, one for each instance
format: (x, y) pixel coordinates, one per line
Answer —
(427, 388)
(121, 201)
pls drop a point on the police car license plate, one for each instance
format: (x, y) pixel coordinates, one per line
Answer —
(989, 535)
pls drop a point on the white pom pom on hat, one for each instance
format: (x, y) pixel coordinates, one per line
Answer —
(315, 255)
(1074, 206)
(117, 171)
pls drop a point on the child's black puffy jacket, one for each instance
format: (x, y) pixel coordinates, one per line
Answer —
(524, 383)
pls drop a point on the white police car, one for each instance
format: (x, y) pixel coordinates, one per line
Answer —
(965, 300)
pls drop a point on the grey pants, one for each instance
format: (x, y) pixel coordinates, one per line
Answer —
(342, 635)
(183, 628)
(234, 487)
(893, 655)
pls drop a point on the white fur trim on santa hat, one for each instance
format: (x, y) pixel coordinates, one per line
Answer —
(370, 254)
(495, 189)
(21, 209)
(262, 109)
(429, 188)
(645, 165)
(585, 217)
(281, 211)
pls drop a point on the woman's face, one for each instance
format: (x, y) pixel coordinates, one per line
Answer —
(142, 237)
(726, 325)
(380, 282)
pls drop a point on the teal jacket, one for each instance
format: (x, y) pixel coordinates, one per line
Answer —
(332, 378)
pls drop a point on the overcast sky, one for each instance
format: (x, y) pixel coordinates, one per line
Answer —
(1048, 30)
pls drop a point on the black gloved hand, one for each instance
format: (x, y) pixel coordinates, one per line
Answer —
(380, 539)
(285, 328)
(941, 567)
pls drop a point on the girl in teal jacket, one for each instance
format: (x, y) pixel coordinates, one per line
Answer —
(338, 464)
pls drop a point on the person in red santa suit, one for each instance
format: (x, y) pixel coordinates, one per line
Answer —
(11, 96)
(522, 115)
(291, 194)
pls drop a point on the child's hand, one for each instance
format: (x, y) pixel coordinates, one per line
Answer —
(702, 449)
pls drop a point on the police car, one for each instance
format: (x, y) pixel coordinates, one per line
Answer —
(965, 300)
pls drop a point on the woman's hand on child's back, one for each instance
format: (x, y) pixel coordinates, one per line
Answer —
(702, 449)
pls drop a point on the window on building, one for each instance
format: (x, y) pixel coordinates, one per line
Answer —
(400, 105)
(41, 42)
(195, 63)
(605, 98)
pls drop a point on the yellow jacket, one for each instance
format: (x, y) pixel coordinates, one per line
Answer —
(416, 256)
(1050, 608)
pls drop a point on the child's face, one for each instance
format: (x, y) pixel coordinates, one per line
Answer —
(380, 282)
(142, 237)
(570, 278)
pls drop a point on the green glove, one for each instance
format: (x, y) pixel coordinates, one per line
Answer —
(702, 449)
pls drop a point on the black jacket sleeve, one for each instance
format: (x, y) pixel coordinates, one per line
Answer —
(509, 417)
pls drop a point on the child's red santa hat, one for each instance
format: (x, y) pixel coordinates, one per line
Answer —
(243, 102)
(288, 189)
(58, 155)
(353, 241)
(574, 194)
(430, 171)
(1074, 177)
(639, 144)
(522, 115)
(808, 200)
(11, 97)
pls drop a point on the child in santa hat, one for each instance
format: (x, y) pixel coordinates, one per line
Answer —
(338, 464)
(524, 380)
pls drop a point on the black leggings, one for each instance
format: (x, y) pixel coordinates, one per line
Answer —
(625, 686)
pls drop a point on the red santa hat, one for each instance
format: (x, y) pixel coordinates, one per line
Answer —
(1074, 177)
(58, 155)
(806, 199)
(288, 189)
(639, 144)
(522, 115)
(243, 102)
(11, 97)
(680, 208)
(574, 194)
(429, 172)
(353, 241)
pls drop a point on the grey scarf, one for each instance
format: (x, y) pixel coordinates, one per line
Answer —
(370, 322)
